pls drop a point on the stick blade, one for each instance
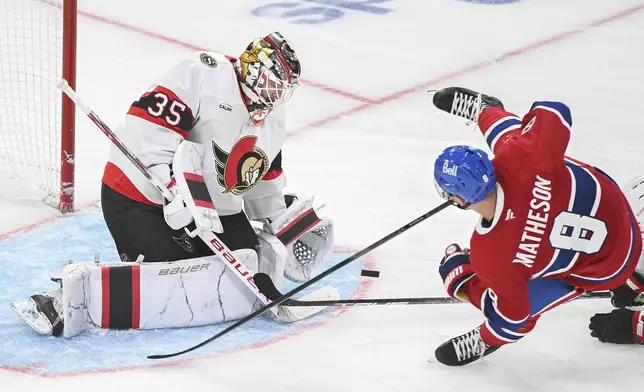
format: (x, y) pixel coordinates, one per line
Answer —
(266, 286)
(290, 314)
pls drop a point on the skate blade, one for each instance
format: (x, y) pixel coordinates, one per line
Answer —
(28, 312)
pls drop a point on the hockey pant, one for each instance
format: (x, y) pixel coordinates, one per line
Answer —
(545, 294)
(140, 229)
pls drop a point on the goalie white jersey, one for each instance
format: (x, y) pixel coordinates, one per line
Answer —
(199, 100)
(203, 130)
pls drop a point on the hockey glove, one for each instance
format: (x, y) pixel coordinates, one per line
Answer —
(309, 239)
(455, 270)
(621, 326)
(176, 213)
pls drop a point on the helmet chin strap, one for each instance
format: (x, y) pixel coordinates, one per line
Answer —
(462, 207)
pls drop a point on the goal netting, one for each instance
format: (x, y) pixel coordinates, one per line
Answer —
(37, 48)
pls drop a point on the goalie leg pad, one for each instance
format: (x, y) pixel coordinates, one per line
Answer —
(184, 293)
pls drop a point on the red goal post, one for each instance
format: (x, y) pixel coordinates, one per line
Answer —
(37, 122)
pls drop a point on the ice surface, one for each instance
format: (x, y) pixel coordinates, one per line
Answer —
(364, 136)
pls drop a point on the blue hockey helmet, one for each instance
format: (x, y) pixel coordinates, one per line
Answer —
(464, 171)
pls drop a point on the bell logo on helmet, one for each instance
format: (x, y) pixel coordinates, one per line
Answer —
(452, 171)
(466, 172)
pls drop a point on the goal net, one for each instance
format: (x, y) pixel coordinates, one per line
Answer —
(37, 48)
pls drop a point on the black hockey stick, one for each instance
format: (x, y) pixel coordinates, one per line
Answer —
(265, 284)
(392, 301)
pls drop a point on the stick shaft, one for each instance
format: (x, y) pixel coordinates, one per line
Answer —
(303, 286)
(407, 301)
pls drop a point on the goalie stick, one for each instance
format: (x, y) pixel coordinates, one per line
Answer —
(273, 294)
(208, 237)
(263, 278)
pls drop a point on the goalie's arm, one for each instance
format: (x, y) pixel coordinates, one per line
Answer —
(154, 127)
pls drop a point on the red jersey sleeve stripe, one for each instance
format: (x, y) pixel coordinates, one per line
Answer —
(145, 115)
(163, 107)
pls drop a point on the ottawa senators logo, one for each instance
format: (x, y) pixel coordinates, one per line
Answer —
(242, 168)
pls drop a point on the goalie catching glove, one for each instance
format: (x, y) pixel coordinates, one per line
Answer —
(307, 237)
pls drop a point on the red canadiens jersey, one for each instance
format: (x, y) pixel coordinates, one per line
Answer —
(555, 218)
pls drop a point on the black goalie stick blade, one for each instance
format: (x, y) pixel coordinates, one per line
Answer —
(265, 284)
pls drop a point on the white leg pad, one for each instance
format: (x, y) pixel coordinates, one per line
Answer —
(177, 294)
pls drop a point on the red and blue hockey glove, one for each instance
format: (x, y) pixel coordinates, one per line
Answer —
(455, 270)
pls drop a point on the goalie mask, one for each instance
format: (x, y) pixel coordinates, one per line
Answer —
(269, 72)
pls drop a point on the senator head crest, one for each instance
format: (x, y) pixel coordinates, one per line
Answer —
(242, 168)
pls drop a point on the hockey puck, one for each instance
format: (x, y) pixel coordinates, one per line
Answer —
(370, 273)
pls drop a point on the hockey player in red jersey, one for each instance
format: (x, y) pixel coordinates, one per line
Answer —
(551, 227)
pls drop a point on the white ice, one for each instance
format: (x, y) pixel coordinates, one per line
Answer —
(366, 150)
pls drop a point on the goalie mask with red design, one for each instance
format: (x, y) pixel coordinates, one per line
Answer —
(269, 71)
